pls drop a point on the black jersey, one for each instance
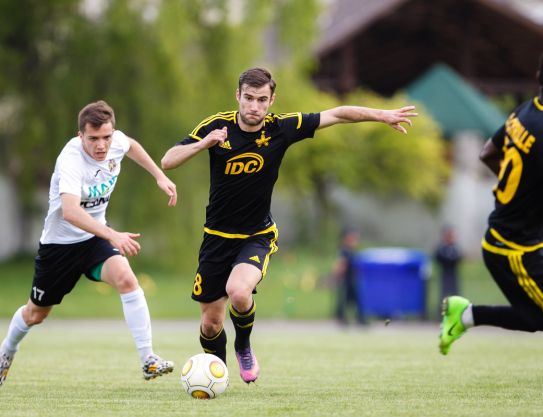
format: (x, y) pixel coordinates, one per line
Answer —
(244, 169)
(518, 213)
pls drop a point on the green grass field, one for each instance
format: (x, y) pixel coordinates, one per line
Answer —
(82, 367)
(296, 287)
(90, 368)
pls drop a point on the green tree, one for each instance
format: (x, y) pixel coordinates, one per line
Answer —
(368, 157)
(164, 66)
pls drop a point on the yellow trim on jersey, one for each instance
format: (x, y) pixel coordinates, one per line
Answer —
(514, 245)
(525, 281)
(538, 104)
(238, 314)
(229, 116)
(498, 251)
(272, 228)
(288, 115)
(273, 249)
(515, 262)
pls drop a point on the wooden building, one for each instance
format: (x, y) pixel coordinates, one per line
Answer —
(384, 45)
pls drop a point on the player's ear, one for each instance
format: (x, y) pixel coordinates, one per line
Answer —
(272, 99)
(237, 94)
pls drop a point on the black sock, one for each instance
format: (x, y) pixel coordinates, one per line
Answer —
(215, 345)
(506, 317)
(243, 324)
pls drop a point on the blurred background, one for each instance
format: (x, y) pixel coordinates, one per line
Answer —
(164, 65)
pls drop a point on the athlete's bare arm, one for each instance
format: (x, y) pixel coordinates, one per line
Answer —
(491, 156)
(142, 158)
(73, 213)
(354, 114)
(179, 154)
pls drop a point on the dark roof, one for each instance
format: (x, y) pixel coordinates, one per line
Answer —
(454, 104)
(386, 44)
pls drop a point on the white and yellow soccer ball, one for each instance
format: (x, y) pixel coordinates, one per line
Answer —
(204, 376)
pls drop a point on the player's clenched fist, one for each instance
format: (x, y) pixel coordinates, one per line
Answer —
(217, 136)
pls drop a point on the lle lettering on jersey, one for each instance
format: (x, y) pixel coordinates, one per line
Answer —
(518, 134)
(246, 163)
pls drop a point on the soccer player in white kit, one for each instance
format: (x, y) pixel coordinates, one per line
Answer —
(76, 239)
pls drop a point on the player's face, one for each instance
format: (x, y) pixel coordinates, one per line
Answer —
(96, 141)
(254, 103)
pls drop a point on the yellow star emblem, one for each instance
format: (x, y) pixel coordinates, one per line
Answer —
(263, 139)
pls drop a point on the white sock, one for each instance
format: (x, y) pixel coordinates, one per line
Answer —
(136, 314)
(467, 317)
(16, 331)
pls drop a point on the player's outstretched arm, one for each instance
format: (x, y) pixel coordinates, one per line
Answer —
(355, 114)
(180, 154)
(74, 214)
(142, 158)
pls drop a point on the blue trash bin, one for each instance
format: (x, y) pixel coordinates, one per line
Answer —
(391, 282)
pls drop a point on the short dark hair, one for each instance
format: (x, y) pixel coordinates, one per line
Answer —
(257, 77)
(96, 114)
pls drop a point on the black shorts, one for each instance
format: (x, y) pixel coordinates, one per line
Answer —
(58, 267)
(518, 271)
(219, 255)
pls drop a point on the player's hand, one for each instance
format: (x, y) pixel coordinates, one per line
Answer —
(166, 185)
(395, 118)
(125, 242)
(217, 136)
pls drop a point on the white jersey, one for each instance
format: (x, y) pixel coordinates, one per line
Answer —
(79, 174)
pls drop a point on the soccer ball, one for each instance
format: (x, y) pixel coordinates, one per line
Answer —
(204, 376)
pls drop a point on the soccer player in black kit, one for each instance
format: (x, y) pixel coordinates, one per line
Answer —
(513, 243)
(246, 148)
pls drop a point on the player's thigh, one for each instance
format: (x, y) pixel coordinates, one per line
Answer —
(217, 254)
(118, 273)
(210, 281)
(520, 278)
(57, 269)
(243, 278)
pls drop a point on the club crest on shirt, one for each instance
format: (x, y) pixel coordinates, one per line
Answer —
(263, 141)
(112, 165)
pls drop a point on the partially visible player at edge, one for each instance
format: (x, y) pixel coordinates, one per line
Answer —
(76, 240)
(245, 151)
(514, 238)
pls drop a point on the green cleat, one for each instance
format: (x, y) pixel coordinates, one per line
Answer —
(451, 324)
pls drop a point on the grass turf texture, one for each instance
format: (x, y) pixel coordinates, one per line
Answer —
(90, 368)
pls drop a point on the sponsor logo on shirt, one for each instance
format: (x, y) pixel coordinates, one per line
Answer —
(94, 203)
(246, 163)
(99, 190)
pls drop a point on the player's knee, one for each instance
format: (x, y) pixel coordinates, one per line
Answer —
(239, 296)
(125, 281)
(35, 317)
(211, 328)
